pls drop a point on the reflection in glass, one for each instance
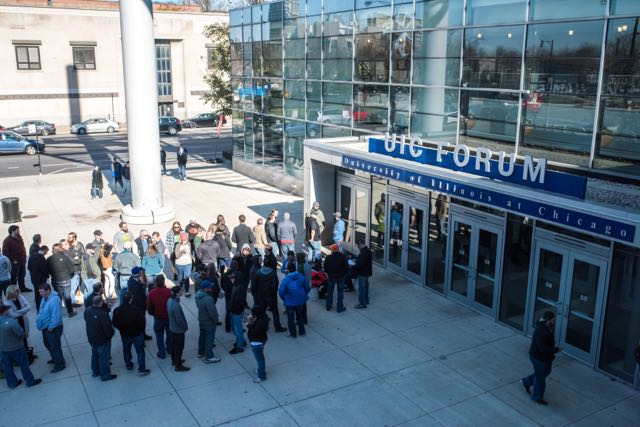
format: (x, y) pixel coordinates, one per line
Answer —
(621, 333)
(372, 57)
(488, 119)
(415, 240)
(401, 57)
(403, 16)
(294, 99)
(237, 133)
(582, 305)
(515, 271)
(258, 155)
(482, 12)
(548, 283)
(400, 110)
(337, 51)
(361, 216)
(273, 146)
(375, 20)
(370, 107)
(436, 57)
(438, 13)
(566, 9)
(623, 7)
(293, 147)
(435, 113)
(562, 63)
(460, 270)
(248, 137)
(396, 229)
(378, 210)
(436, 251)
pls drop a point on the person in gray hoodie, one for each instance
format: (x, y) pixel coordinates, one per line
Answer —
(209, 250)
(287, 233)
(207, 319)
(13, 351)
(178, 327)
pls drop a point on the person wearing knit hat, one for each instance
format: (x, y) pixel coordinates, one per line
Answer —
(184, 262)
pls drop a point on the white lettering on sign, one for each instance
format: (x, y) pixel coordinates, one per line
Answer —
(533, 169)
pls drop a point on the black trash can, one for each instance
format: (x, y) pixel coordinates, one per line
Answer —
(10, 210)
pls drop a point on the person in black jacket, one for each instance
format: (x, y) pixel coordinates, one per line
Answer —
(363, 270)
(61, 270)
(38, 271)
(182, 155)
(257, 326)
(242, 235)
(270, 261)
(98, 290)
(96, 183)
(336, 267)
(137, 287)
(130, 321)
(238, 297)
(99, 333)
(541, 353)
(163, 160)
(226, 283)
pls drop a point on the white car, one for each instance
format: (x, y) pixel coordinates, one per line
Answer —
(95, 125)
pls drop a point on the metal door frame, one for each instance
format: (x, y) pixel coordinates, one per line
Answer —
(408, 200)
(571, 249)
(478, 221)
(356, 185)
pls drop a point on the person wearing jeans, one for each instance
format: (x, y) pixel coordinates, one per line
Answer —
(293, 293)
(13, 351)
(157, 307)
(541, 354)
(257, 333)
(99, 334)
(238, 296)
(179, 326)
(64, 289)
(207, 320)
(363, 269)
(184, 262)
(129, 320)
(336, 267)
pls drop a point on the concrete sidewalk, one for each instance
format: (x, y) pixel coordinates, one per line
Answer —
(411, 358)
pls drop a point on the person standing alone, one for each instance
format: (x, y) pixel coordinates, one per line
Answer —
(541, 354)
(96, 183)
(182, 156)
(363, 268)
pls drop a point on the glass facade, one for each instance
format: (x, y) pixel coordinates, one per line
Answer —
(557, 80)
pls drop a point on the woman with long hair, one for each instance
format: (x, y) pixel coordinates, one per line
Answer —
(153, 264)
(170, 241)
(183, 260)
(106, 264)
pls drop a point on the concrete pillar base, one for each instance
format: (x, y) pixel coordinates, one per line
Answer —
(147, 216)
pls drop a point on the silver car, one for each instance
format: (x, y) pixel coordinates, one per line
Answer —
(95, 125)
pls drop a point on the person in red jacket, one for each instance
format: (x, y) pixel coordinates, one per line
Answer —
(157, 307)
(13, 248)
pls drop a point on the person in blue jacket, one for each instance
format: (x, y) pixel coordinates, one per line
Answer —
(293, 293)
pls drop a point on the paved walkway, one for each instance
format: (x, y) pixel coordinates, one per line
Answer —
(411, 358)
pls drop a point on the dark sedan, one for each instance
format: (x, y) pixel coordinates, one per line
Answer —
(170, 125)
(204, 120)
(11, 142)
(41, 128)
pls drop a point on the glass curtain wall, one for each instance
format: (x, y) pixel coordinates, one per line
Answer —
(517, 75)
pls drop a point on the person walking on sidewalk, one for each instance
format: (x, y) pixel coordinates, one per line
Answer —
(116, 172)
(130, 321)
(61, 269)
(257, 326)
(13, 248)
(336, 267)
(182, 155)
(38, 271)
(207, 320)
(96, 183)
(99, 334)
(294, 296)
(157, 307)
(541, 354)
(163, 160)
(178, 326)
(50, 323)
(287, 233)
(364, 270)
(13, 352)
(242, 234)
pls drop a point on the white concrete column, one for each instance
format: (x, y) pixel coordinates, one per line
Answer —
(141, 97)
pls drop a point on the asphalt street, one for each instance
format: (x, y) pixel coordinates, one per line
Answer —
(67, 153)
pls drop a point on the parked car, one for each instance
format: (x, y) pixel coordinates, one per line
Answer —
(95, 125)
(170, 125)
(297, 129)
(42, 128)
(203, 120)
(11, 142)
(335, 116)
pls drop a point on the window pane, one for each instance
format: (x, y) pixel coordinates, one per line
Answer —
(293, 28)
(370, 107)
(400, 109)
(488, 119)
(562, 65)
(373, 20)
(337, 69)
(492, 57)
(372, 57)
(22, 53)
(438, 219)
(438, 13)
(336, 5)
(572, 9)
(237, 133)
(436, 58)
(337, 97)
(294, 135)
(435, 113)
(483, 12)
(403, 16)
(622, 7)
(273, 145)
(401, 57)
(336, 24)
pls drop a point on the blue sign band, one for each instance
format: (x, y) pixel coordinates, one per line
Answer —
(555, 182)
(543, 211)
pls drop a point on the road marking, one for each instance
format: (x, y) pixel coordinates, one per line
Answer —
(13, 167)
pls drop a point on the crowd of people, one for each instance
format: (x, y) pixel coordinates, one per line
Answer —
(121, 285)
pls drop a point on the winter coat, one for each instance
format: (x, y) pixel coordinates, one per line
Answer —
(13, 248)
(38, 269)
(125, 262)
(264, 285)
(183, 254)
(11, 334)
(50, 315)
(98, 326)
(157, 302)
(238, 297)
(60, 267)
(242, 234)
(364, 261)
(287, 232)
(153, 265)
(177, 322)
(244, 263)
(257, 330)
(336, 265)
(140, 245)
(75, 254)
(224, 243)
(89, 267)
(182, 157)
(292, 290)
(543, 343)
(138, 290)
(129, 320)
(96, 179)
(271, 230)
(208, 252)
(207, 311)
(260, 236)
(5, 268)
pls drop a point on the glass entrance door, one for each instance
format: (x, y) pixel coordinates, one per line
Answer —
(406, 247)
(353, 205)
(475, 262)
(570, 283)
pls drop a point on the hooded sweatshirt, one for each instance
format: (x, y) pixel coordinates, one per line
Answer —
(207, 312)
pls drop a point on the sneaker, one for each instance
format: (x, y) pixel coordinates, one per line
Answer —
(182, 368)
(144, 372)
(257, 380)
(188, 295)
(110, 377)
(359, 306)
(200, 356)
(541, 402)
(18, 383)
(212, 360)
(291, 336)
(130, 368)
(236, 350)
(161, 356)
(340, 310)
(54, 370)
(281, 329)
(72, 314)
(526, 387)
(35, 382)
